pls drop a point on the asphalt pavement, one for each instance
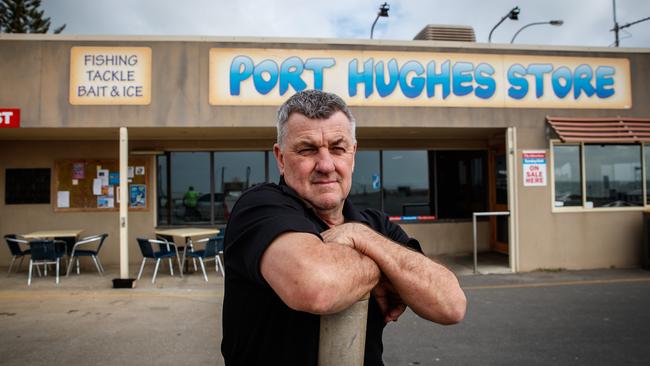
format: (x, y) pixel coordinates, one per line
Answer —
(539, 318)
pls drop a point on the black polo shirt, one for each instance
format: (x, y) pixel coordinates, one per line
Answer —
(258, 328)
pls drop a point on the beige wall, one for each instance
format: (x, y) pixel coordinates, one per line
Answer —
(35, 79)
(20, 219)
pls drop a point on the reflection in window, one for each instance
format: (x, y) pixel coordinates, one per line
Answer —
(501, 179)
(613, 174)
(406, 183)
(646, 151)
(366, 187)
(274, 173)
(461, 183)
(568, 182)
(190, 180)
(161, 189)
(234, 172)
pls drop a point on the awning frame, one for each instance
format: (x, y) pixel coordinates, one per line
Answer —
(601, 129)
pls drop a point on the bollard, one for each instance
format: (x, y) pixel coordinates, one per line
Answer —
(342, 340)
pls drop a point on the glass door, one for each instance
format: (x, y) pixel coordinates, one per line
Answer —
(499, 200)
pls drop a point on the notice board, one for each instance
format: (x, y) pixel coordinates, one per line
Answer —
(93, 185)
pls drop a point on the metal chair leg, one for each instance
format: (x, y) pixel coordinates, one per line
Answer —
(100, 264)
(180, 266)
(29, 277)
(78, 272)
(203, 269)
(171, 266)
(141, 267)
(20, 264)
(97, 265)
(67, 272)
(13, 259)
(58, 260)
(220, 265)
(155, 271)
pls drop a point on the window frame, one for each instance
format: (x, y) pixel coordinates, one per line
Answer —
(584, 208)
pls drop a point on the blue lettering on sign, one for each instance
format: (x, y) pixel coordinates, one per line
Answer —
(384, 87)
(486, 84)
(415, 87)
(442, 78)
(604, 81)
(412, 78)
(582, 80)
(364, 76)
(267, 74)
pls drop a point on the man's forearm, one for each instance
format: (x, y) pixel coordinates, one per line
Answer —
(428, 288)
(317, 277)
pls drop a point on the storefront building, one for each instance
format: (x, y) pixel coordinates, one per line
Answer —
(555, 136)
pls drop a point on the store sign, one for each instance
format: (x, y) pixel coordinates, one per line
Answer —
(375, 78)
(9, 118)
(110, 75)
(534, 163)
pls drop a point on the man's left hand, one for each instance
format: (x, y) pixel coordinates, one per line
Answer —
(389, 301)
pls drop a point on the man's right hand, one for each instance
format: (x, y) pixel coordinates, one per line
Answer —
(390, 304)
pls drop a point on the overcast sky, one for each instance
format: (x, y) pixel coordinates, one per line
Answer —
(586, 22)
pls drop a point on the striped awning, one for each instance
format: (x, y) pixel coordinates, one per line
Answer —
(601, 130)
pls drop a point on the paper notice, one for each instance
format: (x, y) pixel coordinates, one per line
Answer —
(63, 199)
(97, 186)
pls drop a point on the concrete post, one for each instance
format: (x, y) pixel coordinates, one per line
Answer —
(124, 203)
(343, 336)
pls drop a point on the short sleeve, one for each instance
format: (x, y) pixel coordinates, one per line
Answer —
(259, 216)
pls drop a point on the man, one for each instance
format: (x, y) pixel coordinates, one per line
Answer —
(300, 249)
(190, 200)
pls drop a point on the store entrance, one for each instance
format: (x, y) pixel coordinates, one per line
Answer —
(498, 185)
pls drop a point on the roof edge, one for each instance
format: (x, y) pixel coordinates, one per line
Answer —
(316, 41)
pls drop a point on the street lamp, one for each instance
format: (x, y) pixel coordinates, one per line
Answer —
(383, 12)
(556, 23)
(513, 14)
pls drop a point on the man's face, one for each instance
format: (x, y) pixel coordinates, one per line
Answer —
(317, 159)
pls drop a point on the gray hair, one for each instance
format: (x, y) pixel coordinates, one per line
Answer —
(313, 104)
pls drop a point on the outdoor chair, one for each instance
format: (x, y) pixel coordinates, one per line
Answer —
(14, 247)
(166, 249)
(213, 246)
(87, 247)
(45, 252)
(179, 248)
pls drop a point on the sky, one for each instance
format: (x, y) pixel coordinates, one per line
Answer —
(586, 22)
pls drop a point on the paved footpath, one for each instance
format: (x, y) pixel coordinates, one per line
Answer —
(564, 318)
(540, 318)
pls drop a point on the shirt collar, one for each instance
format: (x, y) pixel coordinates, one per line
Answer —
(350, 212)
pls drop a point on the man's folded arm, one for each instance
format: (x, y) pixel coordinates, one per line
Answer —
(312, 276)
(428, 288)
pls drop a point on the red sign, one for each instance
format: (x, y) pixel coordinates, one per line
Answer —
(9, 117)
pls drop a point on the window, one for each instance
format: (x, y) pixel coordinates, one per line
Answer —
(568, 182)
(406, 183)
(401, 183)
(613, 175)
(27, 186)
(204, 186)
(234, 172)
(461, 183)
(190, 181)
(366, 184)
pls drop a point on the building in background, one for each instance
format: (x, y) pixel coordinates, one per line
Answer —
(556, 136)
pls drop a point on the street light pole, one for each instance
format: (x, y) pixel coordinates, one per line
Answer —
(551, 22)
(383, 12)
(512, 14)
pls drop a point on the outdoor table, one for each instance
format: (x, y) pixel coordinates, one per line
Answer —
(187, 233)
(51, 234)
(47, 234)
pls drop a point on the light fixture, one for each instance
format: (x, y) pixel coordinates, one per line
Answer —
(513, 14)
